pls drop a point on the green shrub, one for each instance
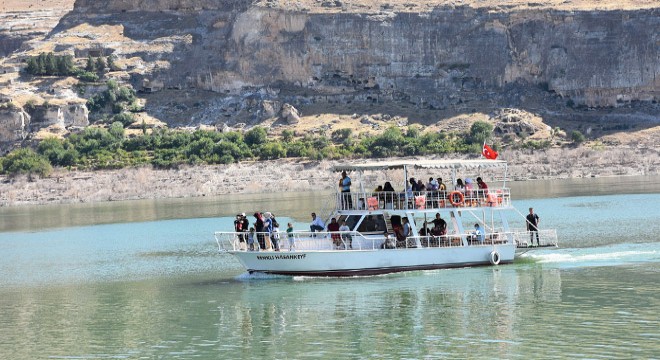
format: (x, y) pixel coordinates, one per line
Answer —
(256, 136)
(577, 137)
(26, 161)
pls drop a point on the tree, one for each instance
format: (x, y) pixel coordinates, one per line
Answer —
(100, 64)
(26, 161)
(577, 137)
(256, 136)
(91, 65)
(480, 131)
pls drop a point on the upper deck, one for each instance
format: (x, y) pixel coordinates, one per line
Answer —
(470, 196)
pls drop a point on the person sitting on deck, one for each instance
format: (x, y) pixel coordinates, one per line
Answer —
(317, 224)
(346, 237)
(479, 233)
(440, 223)
(336, 238)
(483, 187)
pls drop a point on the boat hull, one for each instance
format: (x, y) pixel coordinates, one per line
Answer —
(371, 262)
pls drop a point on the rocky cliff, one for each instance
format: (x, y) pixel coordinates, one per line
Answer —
(250, 55)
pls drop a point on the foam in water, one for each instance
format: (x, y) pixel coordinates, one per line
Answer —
(616, 254)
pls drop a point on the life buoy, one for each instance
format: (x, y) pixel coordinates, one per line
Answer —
(494, 258)
(452, 199)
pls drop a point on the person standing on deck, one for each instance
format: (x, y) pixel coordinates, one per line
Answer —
(345, 186)
(533, 226)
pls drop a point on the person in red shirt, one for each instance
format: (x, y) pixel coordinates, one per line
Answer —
(483, 187)
(332, 227)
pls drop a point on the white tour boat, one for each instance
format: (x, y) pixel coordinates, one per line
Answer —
(477, 228)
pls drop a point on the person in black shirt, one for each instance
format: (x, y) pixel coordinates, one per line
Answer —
(533, 226)
(440, 223)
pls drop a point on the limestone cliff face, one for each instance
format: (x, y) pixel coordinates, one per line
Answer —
(432, 59)
(13, 124)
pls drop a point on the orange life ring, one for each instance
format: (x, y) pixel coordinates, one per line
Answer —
(461, 197)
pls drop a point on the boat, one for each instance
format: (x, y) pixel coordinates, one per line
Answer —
(477, 231)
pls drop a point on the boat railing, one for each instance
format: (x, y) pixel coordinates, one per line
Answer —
(420, 200)
(525, 238)
(352, 240)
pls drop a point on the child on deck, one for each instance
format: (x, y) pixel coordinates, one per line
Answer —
(251, 240)
(289, 236)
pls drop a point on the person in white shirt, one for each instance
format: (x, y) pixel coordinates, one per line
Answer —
(346, 237)
(317, 224)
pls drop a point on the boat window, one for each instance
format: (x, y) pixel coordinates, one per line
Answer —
(351, 220)
(373, 223)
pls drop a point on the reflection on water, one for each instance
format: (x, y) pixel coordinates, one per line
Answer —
(494, 312)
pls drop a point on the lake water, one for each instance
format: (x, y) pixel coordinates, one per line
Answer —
(144, 280)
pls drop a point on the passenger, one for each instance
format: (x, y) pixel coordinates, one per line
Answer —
(483, 187)
(413, 184)
(345, 186)
(441, 185)
(436, 230)
(250, 240)
(406, 227)
(420, 185)
(479, 233)
(424, 231)
(388, 193)
(346, 237)
(440, 223)
(432, 185)
(389, 242)
(388, 187)
(317, 224)
(336, 238)
(459, 186)
(272, 230)
(245, 225)
(275, 234)
(259, 228)
(533, 227)
(290, 237)
(468, 187)
(238, 228)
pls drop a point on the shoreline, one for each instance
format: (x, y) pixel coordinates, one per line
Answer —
(287, 175)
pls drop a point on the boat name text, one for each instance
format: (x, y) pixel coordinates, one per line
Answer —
(281, 256)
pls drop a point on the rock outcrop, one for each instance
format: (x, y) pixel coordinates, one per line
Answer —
(237, 61)
(595, 58)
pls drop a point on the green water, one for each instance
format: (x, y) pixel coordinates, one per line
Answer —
(156, 288)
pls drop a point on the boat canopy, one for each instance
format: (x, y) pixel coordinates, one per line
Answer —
(420, 164)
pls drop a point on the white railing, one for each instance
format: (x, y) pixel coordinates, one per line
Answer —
(422, 199)
(546, 238)
(351, 240)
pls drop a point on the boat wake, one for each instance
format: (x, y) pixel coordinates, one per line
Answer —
(611, 255)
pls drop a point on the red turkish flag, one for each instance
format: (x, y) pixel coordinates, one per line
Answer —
(488, 152)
